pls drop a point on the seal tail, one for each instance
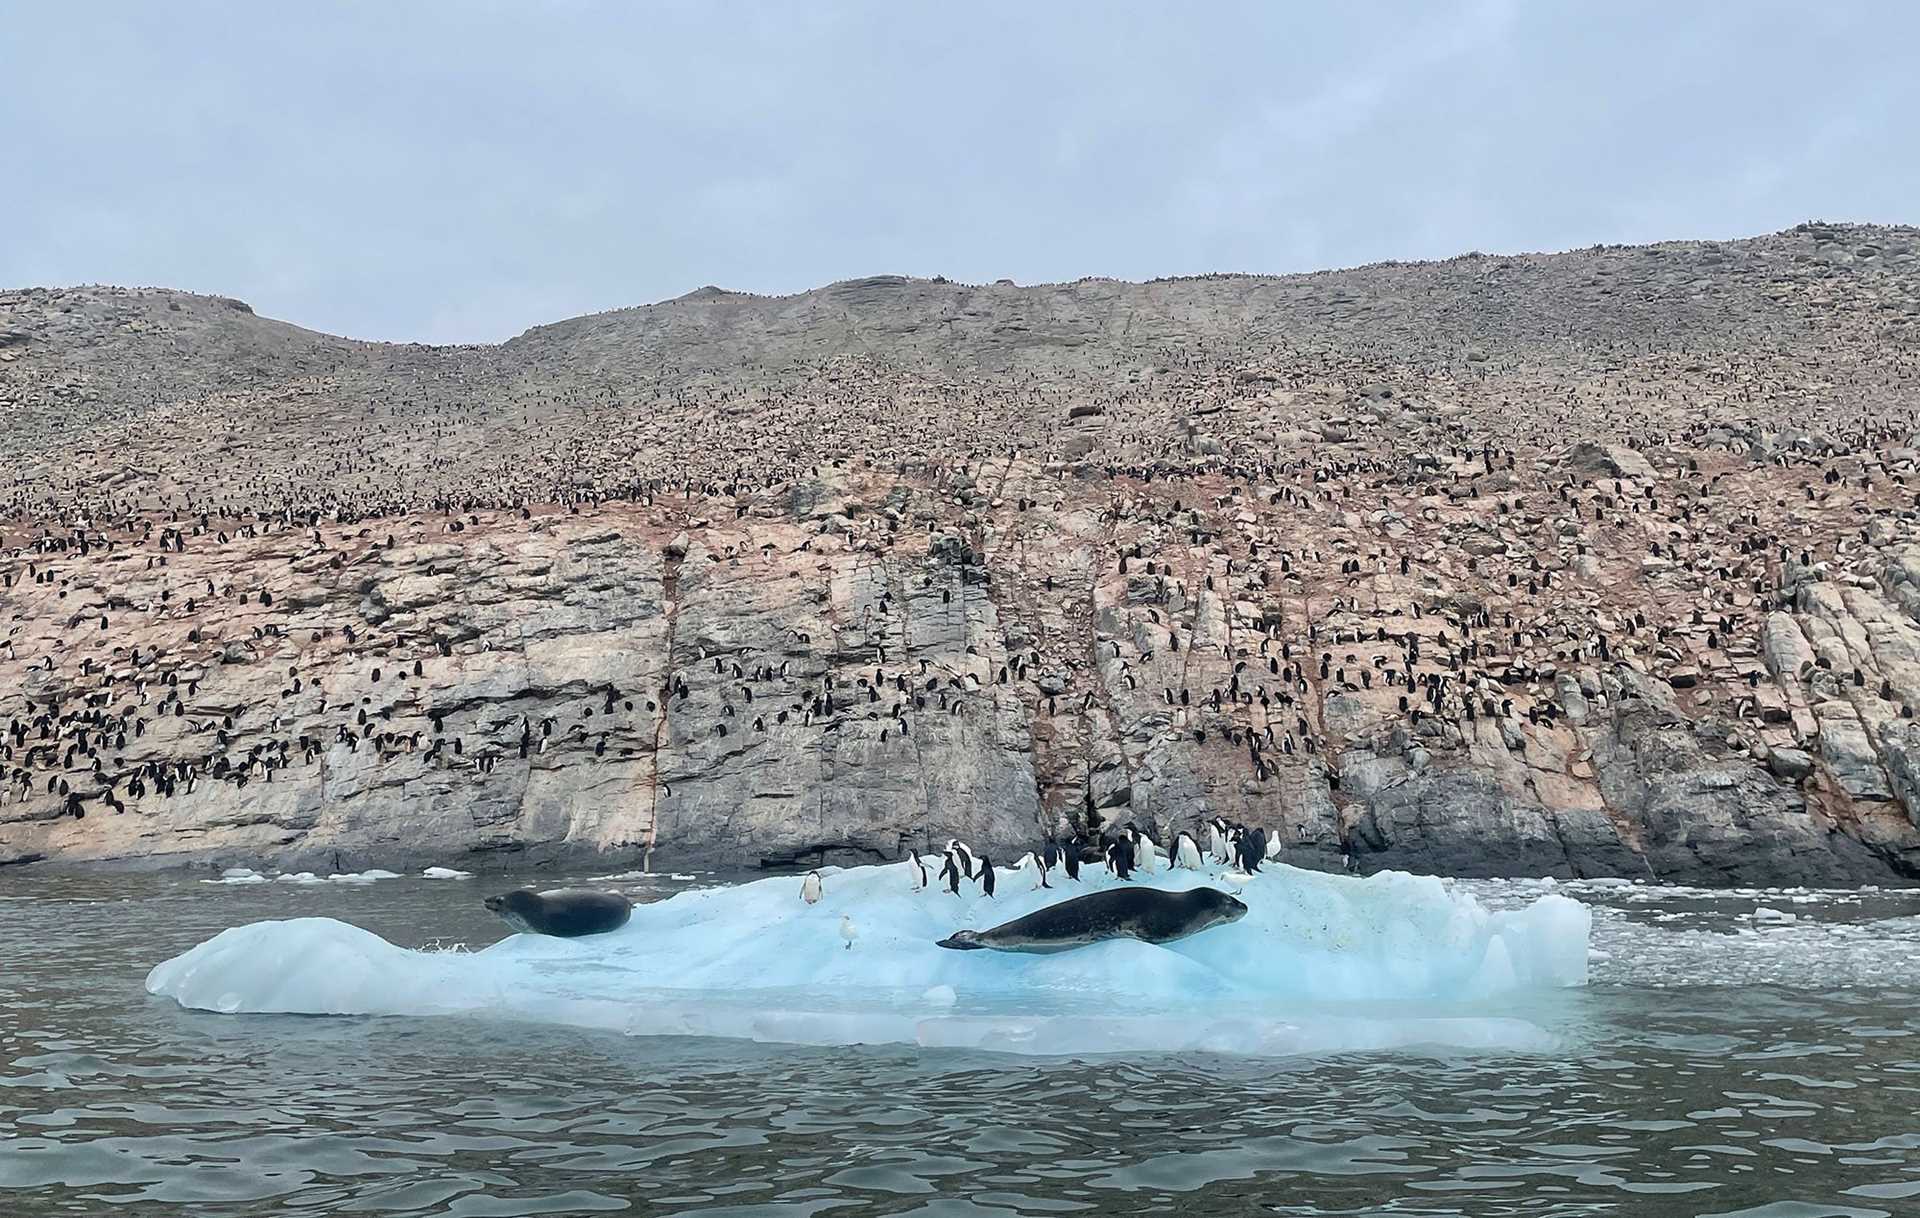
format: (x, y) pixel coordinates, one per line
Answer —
(962, 941)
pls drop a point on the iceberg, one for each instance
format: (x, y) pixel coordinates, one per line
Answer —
(1319, 964)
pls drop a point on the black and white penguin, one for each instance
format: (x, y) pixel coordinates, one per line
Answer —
(1143, 850)
(969, 862)
(1252, 849)
(1185, 852)
(917, 869)
(1120, 857)
(986, 875)
(1071, 857)
(810, 888)
(950, 872)
(1217, 840)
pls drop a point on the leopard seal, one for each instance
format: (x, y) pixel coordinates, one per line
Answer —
(566, 913)
(1136, 912)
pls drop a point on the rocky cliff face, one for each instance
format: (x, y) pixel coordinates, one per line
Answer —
(1639, 604)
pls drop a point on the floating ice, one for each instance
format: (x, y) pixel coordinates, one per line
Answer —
(239, 875)
(1319, 964)
(363, 877)
(446, 873)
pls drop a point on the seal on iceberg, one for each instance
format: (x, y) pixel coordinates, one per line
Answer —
(1146, 914)
(565, 912)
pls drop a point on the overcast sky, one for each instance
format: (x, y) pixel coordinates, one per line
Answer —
(456, 172)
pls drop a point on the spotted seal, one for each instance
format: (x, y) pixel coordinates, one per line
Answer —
(565, 912)
(1134, 912)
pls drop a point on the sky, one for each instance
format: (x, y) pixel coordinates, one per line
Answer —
(458, 172)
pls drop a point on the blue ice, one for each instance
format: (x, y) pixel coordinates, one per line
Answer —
(1320, 963)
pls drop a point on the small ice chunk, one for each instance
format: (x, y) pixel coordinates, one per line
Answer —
(1767, 914)
(362, 877)
(446, 873)
(238, 875)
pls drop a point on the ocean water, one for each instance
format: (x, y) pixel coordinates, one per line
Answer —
(1749, 1053)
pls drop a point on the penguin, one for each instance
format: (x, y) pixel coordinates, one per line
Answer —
(1071, 857)
(847, 931)
(1251, 849)
(1217, 840)
(1185, 852)
(1120, 857)
(810, 888)
(917, 869)
(950, 872)
(1273, 841)
(986, 875)
(1143, 850)
(968, 860)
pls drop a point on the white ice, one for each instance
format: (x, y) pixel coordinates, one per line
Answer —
(1320, 964)
(446, 873)
(239, 875)
(246, 875)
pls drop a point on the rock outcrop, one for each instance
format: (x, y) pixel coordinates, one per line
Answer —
(1590, 564)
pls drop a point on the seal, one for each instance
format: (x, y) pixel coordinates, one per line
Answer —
(566, 913)
(1146, 914)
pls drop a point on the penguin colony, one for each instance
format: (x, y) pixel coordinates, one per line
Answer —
(1268, 553)
(1236, 850)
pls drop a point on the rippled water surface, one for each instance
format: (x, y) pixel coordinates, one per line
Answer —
(1721, 1063)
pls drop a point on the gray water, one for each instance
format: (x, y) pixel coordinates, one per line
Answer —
(1719, 1065)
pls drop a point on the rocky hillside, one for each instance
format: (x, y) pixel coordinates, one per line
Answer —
(1589, 563)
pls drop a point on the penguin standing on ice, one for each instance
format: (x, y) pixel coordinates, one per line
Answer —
(1185, 852)
(1219, 840)
(986, 875)
(950, 873)
(1252, 848)
(1120, 857)
(810, 888)
(966, 856)
(1071, 857)
(1143, 850)
(917, 869)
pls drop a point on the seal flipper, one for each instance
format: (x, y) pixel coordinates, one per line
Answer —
(962, 941)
